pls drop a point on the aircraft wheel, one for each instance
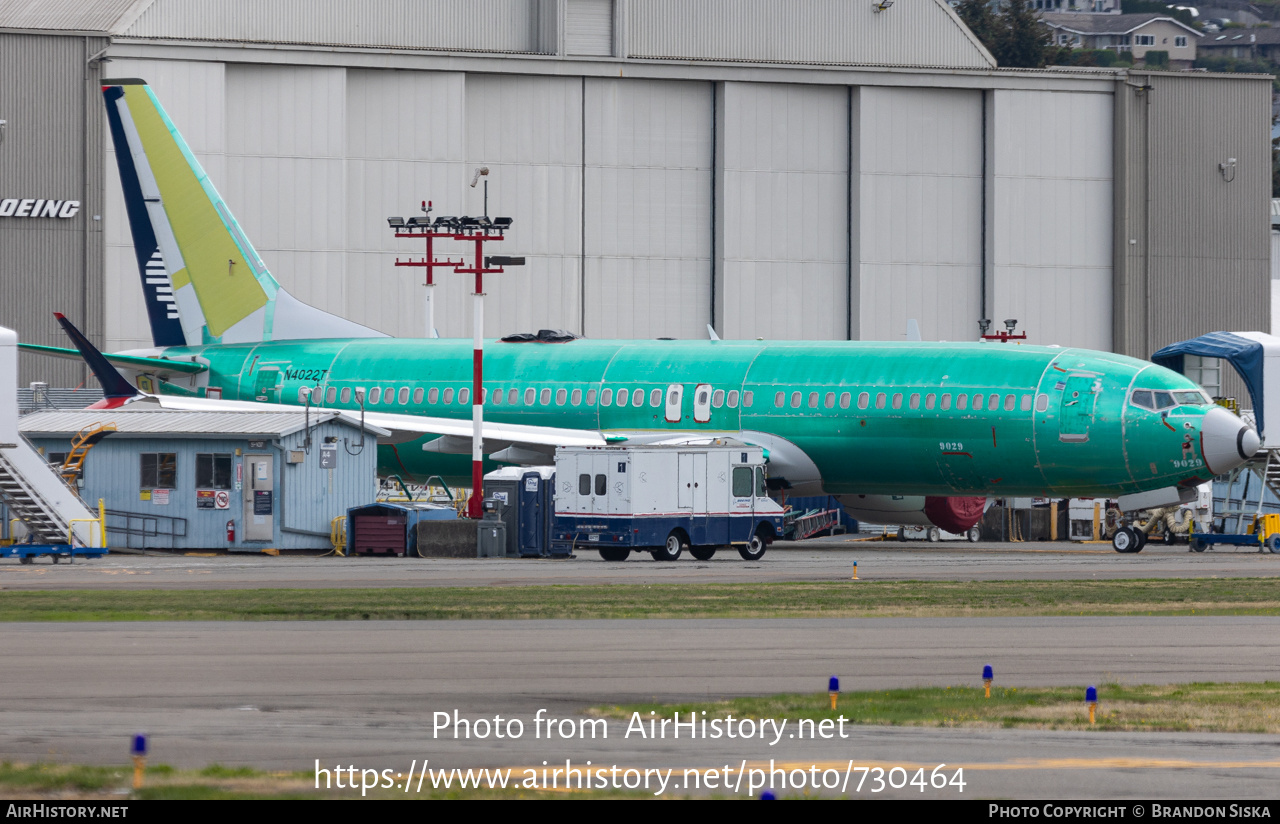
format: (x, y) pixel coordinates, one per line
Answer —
(703, 553)
(1273, 543)
(670, 551)
(1142, 540)
(974, 534)
(1198, 544)
(1125, 540)
(614, 553)
(25, 559)
(935, 535)
(1169, 539)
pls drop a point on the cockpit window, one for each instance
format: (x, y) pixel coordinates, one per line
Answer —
(1191, 398)
(1157, 401)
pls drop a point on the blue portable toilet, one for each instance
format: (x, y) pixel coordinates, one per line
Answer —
(528, 495)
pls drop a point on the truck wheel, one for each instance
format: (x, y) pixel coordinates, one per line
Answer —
(703, 553)
(671, 550)
(935, 535)
(1198, 544)
(614, 553)
(754, 551)
(25, 559)
(974, 534)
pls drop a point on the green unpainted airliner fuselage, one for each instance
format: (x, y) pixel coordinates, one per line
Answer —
(884, 418)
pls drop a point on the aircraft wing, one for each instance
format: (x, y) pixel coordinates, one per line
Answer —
(162, 367)
(455, 433)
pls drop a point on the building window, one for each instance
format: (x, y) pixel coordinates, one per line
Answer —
(213, 470)
(1205, 371)
(159, 470)
(1144, 40)
(1180, 42)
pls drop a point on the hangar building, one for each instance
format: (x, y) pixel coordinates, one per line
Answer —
(814, 169)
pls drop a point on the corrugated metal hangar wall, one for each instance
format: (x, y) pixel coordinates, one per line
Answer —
(769, 182)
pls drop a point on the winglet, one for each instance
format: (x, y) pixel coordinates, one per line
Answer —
(114, 385)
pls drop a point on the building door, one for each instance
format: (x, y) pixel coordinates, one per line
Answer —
(259, 498)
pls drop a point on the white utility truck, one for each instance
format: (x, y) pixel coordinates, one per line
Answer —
(664, 499)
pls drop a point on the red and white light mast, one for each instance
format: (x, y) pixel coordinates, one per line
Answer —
(477, 230)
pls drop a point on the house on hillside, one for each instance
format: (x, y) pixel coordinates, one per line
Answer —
(1243, 44)
(1133, 33)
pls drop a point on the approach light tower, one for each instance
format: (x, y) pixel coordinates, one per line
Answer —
(479, 231)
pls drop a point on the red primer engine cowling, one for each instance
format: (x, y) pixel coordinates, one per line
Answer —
(954, 514)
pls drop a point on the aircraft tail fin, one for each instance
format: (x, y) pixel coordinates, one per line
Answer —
(203, 280)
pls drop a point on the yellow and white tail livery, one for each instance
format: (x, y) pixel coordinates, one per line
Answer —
(203, 280)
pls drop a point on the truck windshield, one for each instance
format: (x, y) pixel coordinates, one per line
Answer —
(761, 490)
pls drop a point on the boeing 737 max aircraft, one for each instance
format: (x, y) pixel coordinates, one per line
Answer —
(845, 418)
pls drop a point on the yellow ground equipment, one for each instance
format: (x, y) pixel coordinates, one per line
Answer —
(80, 446)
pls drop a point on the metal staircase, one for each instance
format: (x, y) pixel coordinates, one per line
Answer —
(25, 503)
(29, 486)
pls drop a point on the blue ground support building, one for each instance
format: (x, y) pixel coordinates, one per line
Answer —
(241, 481)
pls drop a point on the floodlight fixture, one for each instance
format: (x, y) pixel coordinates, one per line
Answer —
(396, 222)
(1010, 324)
(483, 170)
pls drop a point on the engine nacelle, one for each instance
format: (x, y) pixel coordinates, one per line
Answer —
(953, 514)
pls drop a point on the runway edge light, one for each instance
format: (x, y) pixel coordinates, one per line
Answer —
(138, 749)
(1091, 698)
(988, 675)
(855, 571)
(833, 689)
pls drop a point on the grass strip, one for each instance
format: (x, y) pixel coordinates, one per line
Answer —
(843, 599)
(1199, 707)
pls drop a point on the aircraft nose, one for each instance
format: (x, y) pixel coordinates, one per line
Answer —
(1227, 442)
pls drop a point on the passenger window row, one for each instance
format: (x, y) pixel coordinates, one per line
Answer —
(913, 400)
(510, 397)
